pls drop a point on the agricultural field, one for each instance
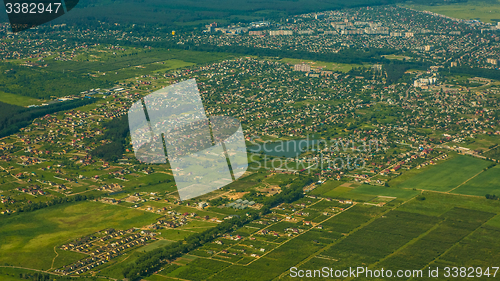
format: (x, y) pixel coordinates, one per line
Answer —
(440, 241)
(431, 237)
(482, 184)
(444, 177)
(324, 188)
(272, 262)
(365, 192)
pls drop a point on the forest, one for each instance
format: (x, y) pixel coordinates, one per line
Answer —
(116, 133)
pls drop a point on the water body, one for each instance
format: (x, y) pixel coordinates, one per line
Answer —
(287, 149)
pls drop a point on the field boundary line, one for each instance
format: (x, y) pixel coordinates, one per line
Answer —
(411, 242)
(466, 181)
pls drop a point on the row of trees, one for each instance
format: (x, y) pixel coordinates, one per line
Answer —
(39, 276)
(491, 197)
(153, 260)
(55, 201)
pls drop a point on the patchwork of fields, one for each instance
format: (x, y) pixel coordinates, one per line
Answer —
(37, 234)
(390, 238)
(421, 225)
(438, 216)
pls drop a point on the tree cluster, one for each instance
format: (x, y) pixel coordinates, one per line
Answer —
(491, 197)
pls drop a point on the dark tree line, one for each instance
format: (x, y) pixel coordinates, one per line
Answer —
(39, 276)
(13, 117)
(491, 197)
(178, 11)
(55, 201)
(152, 261)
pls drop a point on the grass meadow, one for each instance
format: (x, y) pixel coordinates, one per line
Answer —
(446, 175)
(18, 100)
(38, 234)
(485, 183)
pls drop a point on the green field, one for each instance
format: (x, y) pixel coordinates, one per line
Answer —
(154, 245)
(18, 100)
(486, 11)
(337, 192)
(447, 175)
(135, 62)
(324, 188)
(38, 234)
(443, 236)
(436, 204)
(488, 182)
(373, 191)
(367, 192)
(459, 234)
